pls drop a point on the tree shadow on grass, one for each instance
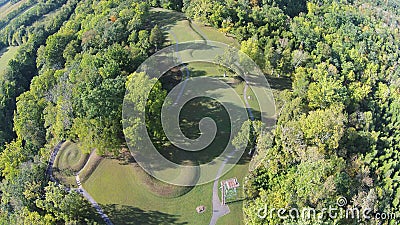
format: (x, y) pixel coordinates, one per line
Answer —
(124, 214)
(280, 83)
(164, 18)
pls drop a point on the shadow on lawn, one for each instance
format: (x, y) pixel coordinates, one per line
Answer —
(123, 214)
(164, 17)
(279, 83)
(189, 118)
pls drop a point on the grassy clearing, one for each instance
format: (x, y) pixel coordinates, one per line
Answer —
(69, 160)
(190, 116)
(8, 7)
(70, 157)
(175, 25)
(90, 166)
(182, 32)
(128, 195)
(198, 69)
(6, 54)
(213, 34)
(127, 200)
(178, 28)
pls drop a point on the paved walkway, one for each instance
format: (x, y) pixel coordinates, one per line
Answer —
(83, 192)
(220, 210)
(49, 170)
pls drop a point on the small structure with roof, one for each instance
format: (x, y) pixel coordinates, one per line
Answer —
(229, 189)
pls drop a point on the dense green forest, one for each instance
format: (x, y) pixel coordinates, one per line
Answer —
(338, 133)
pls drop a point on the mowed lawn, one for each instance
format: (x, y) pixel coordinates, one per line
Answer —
(69, 160)
(121, 187)
(177, 28)
(70, 157)
(210, 33)
(127, 200)
(198, 69)
(6, 54)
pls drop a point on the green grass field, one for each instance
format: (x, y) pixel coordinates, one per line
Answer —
(8, 7)
(129, 196)
(178, 28)
(6, 54)
(70, 157)
(69, 160)
(127, 200)
(213, 34)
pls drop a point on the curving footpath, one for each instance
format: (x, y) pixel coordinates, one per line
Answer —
(85, 194)
(80, 189)
(220, 210)
(49, 170)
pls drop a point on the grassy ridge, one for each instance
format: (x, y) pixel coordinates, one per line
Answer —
(68, 161)
(70, 157)
(6, 55)
(127, 200)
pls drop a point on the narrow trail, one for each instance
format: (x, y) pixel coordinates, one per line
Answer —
(80, 189)
(85, 194)
(247, 102)
(49, 170)
(219, 210)
(179, 61)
